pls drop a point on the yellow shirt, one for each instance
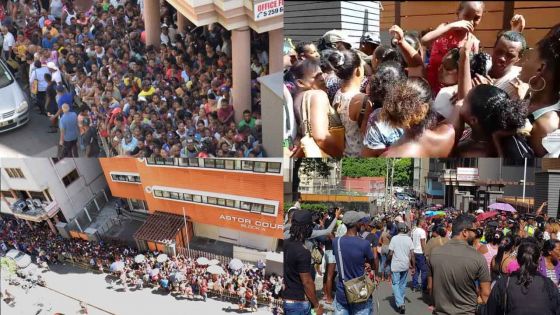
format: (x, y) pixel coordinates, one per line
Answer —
(54, 31)
(148, 93)
(135, 79)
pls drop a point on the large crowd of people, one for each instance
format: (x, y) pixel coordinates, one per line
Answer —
(126, 98)
(481, 262)
(188, 276)
(429, 94)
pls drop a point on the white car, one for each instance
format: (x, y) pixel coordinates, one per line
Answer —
(14, 107)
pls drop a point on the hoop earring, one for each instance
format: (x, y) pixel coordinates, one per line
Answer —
(531, 85)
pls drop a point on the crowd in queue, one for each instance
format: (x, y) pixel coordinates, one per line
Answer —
(429, 94)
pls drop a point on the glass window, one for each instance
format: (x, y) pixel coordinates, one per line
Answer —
(160, 161)
(166, 194)
(274, 167)
(114, 177)
(187, 197)
(183, 162)
(245, 205)
(212, 200)
(169, 161)
(193, 162)
(230, 203)
(220, 163)
(158, 193)
(247, 165)
(230, 164)
(15, 173)
(151, 161)
(197, 198)
(256, 207)
(36, 195)
(210, 163)
(174, 195)
(269, 209)
(221, 202)
(70, 178)
(260, 167)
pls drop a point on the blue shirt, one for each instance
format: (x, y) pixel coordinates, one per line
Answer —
(354, 251)
(46, 43)
(69, 122)
(67, 98)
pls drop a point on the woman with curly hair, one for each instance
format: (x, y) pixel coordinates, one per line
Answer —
(541, 71)
(409, 106)
(380, 135)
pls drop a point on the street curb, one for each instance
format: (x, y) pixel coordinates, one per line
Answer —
(79, 300)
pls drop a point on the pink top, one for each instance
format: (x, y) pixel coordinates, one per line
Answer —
(512, 266)
(492, 251)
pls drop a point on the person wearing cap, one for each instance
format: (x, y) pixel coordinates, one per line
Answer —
(69, 132)
(89, 138)
(299, 293)
(49, 29)
(369, 42)
(164, 36)
(8, 43)
(337, 39)
(55, 72)
(401, 257)
(357, 258)
(454, 268)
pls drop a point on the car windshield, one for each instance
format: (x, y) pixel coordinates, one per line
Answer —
(6, 77)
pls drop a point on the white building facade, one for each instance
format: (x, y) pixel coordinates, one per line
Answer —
(52, 190)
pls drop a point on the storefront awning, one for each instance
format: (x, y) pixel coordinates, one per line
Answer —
(160, 227)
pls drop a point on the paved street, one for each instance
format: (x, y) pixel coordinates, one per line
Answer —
(414, 303)
(30, 140)
(92, 288)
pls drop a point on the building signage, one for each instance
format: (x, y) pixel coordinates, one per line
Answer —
(267, 9)
(251, 224)
(467, 174)
(52, 208)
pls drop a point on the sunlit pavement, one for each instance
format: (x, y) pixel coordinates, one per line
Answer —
(93, 289)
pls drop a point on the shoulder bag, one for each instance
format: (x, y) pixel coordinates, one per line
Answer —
(357, 290)
(35, 84)
(308, 144)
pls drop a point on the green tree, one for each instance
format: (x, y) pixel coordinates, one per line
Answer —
(377, 167)
(317, 167)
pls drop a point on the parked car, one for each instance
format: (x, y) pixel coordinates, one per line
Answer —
(14, 108)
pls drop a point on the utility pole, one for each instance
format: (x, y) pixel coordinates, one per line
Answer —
(386, 183)
(392, 177)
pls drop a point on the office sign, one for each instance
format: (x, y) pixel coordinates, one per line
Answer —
(268, 9)
(467, 174)
(251, 224)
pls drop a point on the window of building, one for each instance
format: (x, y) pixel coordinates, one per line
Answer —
(184, 162)
(517, 162)
(259, 167)
(220, 163)
(268, 209)
(14, 172)
(247, 165)
(210, 163)
(230, 164)
(126, 178)
(137, 204)
(166, 194)
(48, 194)
(230, 203)
(221, 202)
(212, 200)
(193, 162)
(158, 193)
(256, 207)
(70, 178)
(245, 205)
(174, 195)
(187, 197)
(197, 198)
(274, 167)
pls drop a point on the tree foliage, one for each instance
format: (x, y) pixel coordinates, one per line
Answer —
(377, 167)
(318, 167)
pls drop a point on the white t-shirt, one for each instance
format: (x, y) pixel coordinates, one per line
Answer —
(442, 103)
(9, 42)
(401, 245)
(546, 236)
(418, 234)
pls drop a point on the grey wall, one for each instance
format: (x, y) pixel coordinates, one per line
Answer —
(493, 169)
(309, 20)
(548, 189)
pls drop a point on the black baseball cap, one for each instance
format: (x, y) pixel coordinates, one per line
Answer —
(302, 217)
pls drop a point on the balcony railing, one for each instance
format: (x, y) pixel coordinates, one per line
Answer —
(35, 209)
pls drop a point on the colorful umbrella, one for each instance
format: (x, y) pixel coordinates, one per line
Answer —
(235, 264)
(502, 206)
(486, 215)
(215, 270)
